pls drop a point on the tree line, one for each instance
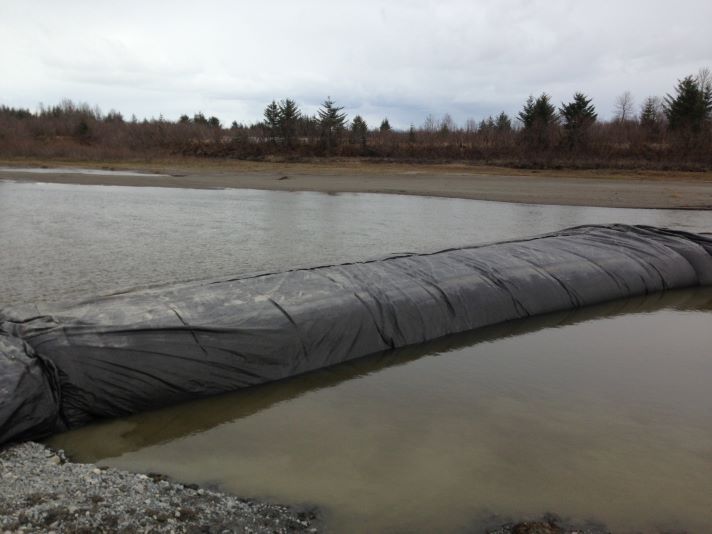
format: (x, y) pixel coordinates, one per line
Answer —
(670, 132)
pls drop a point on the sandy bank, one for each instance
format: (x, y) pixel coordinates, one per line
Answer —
(652, 189)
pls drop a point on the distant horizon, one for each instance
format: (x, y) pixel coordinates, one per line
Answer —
(402, 60)
(637, 103)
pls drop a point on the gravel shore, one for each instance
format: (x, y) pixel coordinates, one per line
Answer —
(40, 491)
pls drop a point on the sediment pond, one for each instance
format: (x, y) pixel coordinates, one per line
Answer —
(599, 414)
(70, 242)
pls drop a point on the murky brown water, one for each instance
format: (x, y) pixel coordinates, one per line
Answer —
(602, 413)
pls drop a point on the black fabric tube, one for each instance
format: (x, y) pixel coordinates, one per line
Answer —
(125, 353)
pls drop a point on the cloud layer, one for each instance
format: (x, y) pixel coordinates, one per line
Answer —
(403, 59)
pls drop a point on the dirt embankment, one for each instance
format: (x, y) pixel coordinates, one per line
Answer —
(645, 189)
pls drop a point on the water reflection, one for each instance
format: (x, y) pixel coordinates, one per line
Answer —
(600, 412)
(70, 242)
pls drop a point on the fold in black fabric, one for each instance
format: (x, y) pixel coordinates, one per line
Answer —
(121, 354)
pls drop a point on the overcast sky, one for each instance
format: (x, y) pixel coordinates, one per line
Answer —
(398, 59)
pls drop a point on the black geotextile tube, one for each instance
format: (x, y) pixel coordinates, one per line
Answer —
(140, 350)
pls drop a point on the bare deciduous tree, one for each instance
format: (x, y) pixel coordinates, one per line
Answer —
(704, 79)
(624, 107)
(430, 124)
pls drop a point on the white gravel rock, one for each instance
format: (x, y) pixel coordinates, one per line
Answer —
(40, 491)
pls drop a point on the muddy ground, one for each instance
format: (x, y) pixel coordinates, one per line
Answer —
(630, 189)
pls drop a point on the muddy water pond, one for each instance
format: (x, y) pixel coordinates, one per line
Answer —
(600, 414)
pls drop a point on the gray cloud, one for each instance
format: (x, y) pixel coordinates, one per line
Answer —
(402, 59)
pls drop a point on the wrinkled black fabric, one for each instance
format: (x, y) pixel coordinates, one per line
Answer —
(29, 406)
(130, 352)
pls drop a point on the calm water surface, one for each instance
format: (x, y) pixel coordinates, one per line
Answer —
(75, 170)
(67, 242)
(603, 413)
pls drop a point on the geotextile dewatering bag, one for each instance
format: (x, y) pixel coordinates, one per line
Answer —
(120, 354)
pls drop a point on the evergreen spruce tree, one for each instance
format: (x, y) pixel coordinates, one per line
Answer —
(288, 116)
(651, 117)
(578, 115)
(690, 110)
(116, 116)
(359, 131)
(271, 115)
(487, 129)
(539, 120)
(385, 126)
(648, 112)
(538, 113)
(199, 118)
(503, 123)
(331, 122)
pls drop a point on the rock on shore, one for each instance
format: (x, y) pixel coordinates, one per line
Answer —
(41, 491)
